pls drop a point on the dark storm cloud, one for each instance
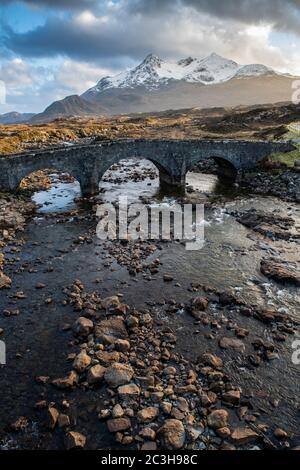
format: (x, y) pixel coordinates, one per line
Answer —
(61, 4)
(134, 27)
(66, 37)
(284, 14)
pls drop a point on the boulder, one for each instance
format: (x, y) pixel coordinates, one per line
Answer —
(172, 434)
(63, 420)
(83, 326)
(117, 411)
(232, 397)
(110, 330)
(280, 434)
(146, 415)
(122, 345)
(280, 271)
(149, 445)
(96, 374)
(52, 417)
(66, 382)
(232, 343)
(82, 361)
(118, 374)
(244, 436)
(200, 303)
(118, 424)
(218, 419)
(106, 358)
(74, 440)
(211, 360)
(5, 281)
(148, 434)
(113, 305)
(129, 392)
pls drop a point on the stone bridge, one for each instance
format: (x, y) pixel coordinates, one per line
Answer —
(173, 158)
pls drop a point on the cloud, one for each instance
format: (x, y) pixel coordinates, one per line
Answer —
(15, 73)
(77, 49)
(115, 37)
(57, 4)
(77, 77)
(32, 87)
(85, 36)
(129, 29)
(282, 14)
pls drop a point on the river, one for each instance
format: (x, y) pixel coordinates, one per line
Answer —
(53, 252)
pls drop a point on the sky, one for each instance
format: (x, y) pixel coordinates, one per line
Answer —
(53, 48)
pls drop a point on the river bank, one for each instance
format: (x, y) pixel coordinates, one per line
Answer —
(145, 345)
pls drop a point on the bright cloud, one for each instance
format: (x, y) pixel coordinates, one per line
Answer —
(75, 47)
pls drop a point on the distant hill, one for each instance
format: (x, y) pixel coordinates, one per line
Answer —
(15, 118)
(72, 105)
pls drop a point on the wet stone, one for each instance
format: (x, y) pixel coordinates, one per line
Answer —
(118, 374)
(118, 424)
(96, 374)
(52, 417)
(244, 436)
(129, 392)
(146, 415)
(74, 440)
(83, 326)
(107, 358)
(218, 419)
(117, 411)
(82, 361)
(172, 434)
(212, 360)
(232, 343)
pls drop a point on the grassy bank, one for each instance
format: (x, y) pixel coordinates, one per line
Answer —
(287, 159)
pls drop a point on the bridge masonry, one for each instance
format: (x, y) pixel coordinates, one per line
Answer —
(173, 158)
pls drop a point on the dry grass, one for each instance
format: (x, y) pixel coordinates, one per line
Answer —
(261, 122)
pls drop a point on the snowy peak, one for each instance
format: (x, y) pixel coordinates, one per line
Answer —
(154, 72)
(185, 62)
(254, 70)
(152, 61)
(212, 69)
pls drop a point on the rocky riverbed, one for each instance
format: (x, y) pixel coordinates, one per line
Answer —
(144, 344)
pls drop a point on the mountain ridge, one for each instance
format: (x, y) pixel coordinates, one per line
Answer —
(157, 85)
(154, 72)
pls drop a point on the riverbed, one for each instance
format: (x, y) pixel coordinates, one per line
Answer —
(60, 245)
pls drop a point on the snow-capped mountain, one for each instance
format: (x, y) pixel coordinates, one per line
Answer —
(154, 72)
(158, 85)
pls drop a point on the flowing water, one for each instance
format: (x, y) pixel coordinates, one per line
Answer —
(60, 197)
(36, 342)
(230, 256)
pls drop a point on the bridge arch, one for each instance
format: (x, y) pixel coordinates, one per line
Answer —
(107, 165)
(158, 155)
(173, 158)
(222, 166)
(133, 178)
